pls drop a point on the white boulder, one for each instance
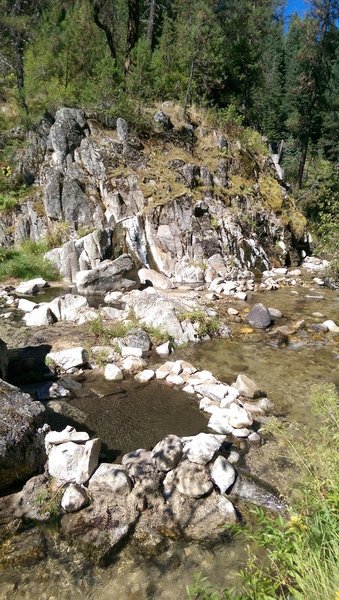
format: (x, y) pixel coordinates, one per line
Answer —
(74, 498)
(144, 376)
(70, 462)
(113, 373)
(70, 358)
(31, 287)
(129, 351)
(67, 307)
(331, 326)
(133, 364)
(223, 474)
(39, 316)
(202, 448)
(239, 417)
(26, 305)
(110, 478)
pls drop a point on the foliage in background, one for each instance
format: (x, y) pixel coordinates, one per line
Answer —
(255, 74)
(237, 57)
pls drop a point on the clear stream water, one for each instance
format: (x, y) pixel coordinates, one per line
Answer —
(138, 416)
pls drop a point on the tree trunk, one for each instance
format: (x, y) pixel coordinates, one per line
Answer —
(105, 28)
(132, 31)
(19, 72)
(302, 162)
(151, 22)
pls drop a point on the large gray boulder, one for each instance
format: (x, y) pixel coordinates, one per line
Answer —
(203, 518)
(189, 479)
(67, 308)
(259, 316)
(137, 338)
(65, 135)
(21, 445)
(157, 280)
(108, 276)
(156, 310)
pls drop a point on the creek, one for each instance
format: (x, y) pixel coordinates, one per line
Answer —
(138, 416)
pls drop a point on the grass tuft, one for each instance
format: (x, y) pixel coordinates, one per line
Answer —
(26, 262)
(296, 556)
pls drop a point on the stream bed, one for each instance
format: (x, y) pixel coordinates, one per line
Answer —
(138, 416)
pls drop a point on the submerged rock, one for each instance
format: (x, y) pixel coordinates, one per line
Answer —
(99, 529)
(257, 492)
(24, 550)
(259, 316)
(247, 387)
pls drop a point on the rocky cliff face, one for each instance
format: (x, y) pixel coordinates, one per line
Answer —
(172, 201)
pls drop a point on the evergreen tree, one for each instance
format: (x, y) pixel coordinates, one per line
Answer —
(310, 51)
(17, 21)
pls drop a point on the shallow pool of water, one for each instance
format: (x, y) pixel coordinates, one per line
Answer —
(127, 416)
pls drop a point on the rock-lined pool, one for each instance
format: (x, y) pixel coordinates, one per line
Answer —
(127, 416)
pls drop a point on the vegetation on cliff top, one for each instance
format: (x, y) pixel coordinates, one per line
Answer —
(237, 59)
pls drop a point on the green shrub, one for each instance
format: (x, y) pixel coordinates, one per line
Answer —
(26, 262)
(116, 330)
(10, 199)
(207, 325)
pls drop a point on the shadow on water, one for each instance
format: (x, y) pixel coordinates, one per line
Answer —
(27, 365)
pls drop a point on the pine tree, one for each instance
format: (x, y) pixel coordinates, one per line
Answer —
(311, 53)
(17, 21)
